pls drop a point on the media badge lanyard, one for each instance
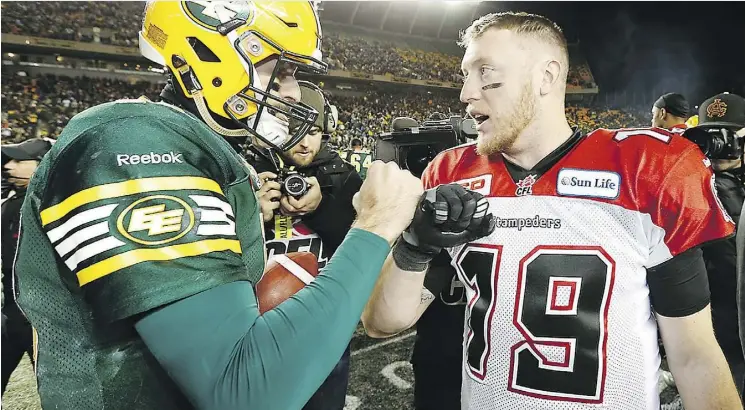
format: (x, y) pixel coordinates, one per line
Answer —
(282, 223)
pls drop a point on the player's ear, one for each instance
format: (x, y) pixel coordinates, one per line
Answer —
(551, 76)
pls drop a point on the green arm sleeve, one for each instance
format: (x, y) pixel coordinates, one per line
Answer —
(224, 356)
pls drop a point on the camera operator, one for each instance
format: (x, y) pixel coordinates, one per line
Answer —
(740, 243)
(721, 118)
(437, 356)
(19, 161)
(312, 221)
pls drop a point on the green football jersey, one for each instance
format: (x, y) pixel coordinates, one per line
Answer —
(137, 205)
(361, 161)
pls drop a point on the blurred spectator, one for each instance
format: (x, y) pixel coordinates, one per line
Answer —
(368, 116)
(579, 77)
(118, 22)
(38, 106)
(588, 119)
(42, 106)
(115, 22)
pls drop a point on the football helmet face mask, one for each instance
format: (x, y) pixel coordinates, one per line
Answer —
(213, 50)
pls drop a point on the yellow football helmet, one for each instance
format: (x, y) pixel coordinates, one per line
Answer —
(212, 48)
(692, 122)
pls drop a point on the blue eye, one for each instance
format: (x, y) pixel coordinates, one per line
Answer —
(484, 70)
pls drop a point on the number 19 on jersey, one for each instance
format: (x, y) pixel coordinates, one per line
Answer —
(560, 309)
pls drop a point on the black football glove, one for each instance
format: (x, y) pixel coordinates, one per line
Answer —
(446, 216)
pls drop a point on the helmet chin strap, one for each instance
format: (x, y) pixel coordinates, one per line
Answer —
(207, 118)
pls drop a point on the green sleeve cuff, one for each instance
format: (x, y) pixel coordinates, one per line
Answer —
(365, 242)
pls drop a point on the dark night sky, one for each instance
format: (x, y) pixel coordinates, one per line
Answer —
(697, 48)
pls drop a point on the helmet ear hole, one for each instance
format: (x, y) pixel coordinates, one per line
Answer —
(202, 51)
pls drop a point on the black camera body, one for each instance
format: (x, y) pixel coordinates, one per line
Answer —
(412, 148)
(292, 182)
(464, 128)
(716, 143)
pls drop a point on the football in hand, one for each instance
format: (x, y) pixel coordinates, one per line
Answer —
(283, 277)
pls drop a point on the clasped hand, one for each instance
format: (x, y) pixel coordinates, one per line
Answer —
(448, 216)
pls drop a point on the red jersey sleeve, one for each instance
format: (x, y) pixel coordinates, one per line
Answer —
(436, 171)
(686, 211)
(429, 176)
(446, 166)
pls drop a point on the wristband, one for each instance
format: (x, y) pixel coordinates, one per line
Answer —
(409, 258)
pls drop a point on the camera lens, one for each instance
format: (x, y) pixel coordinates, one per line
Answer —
(295, 185)
(711, 142)
(716, 145)
(418, 157)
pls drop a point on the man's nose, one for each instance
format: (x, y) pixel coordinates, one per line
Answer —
(469, 92)
(289, 90)
(305, 142)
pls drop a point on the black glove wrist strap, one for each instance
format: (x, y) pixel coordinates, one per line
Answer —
(409, 258)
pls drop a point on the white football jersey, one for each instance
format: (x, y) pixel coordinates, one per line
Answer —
(558, 313)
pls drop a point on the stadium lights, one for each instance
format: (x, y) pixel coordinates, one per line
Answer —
(455, 3)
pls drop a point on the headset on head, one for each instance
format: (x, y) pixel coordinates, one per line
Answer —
(330, 112)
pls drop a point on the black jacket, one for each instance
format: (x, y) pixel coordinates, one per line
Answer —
(740, 244)
(721, 260)
(339, 181)
(11, 218)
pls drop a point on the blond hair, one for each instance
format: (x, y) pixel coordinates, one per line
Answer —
(525, 24)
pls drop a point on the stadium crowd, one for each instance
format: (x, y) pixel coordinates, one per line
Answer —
(42, 105)
(117, 23)
(350, 53)
(111, 22)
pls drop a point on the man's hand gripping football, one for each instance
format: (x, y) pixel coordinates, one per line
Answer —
(446, 216)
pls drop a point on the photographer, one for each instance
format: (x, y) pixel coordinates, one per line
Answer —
(314, 221)
(720, 119)
(437, 355)
(19, 161)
